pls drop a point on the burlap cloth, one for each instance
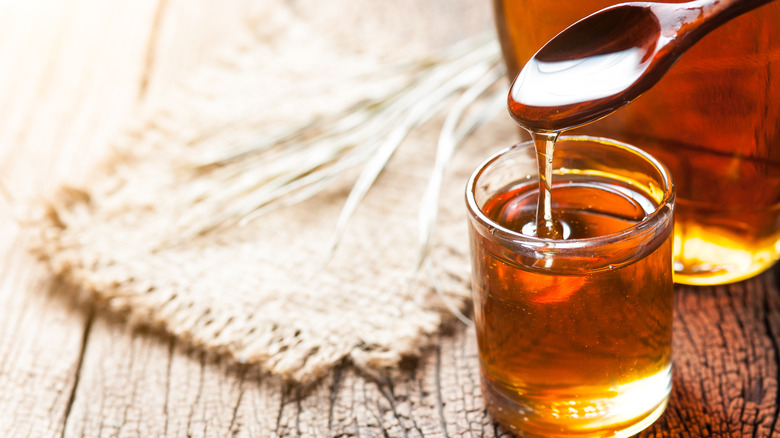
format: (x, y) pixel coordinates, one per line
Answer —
(262, 291)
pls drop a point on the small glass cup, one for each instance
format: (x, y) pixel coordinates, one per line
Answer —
(574, 335)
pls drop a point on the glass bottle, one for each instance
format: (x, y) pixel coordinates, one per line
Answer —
(714, 120)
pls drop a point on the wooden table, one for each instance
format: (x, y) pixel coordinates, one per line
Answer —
(71, 72)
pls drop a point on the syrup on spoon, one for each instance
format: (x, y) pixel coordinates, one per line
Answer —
(604, 61)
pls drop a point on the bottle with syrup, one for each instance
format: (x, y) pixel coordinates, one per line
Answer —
(714, 120)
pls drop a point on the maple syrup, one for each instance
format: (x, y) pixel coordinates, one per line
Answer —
(574, 333)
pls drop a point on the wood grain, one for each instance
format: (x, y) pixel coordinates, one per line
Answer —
(71, 72)
(62, 98)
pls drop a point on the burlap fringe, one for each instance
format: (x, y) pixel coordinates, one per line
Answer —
(263, 292)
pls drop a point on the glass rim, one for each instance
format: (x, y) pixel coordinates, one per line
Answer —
(646, 225)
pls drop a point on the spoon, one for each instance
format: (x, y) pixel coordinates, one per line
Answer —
(604, 61)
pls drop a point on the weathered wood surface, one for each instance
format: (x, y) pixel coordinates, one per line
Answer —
(71, 72)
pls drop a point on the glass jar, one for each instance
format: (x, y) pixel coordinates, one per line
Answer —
(574, 335)
(714, 120)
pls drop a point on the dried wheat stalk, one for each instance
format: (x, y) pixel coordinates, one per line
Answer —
(306, 157)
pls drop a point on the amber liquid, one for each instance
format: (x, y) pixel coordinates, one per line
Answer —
(713, 120)
(546, 225)
(568, 354)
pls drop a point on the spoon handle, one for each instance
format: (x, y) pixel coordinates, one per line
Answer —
(691, 21)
